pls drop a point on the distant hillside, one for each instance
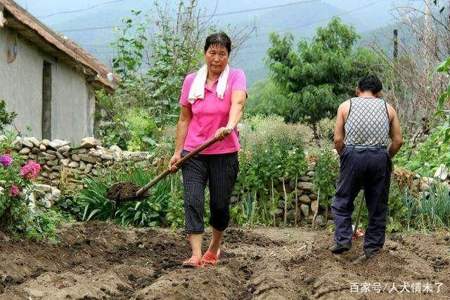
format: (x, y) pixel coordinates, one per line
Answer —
(301, 19)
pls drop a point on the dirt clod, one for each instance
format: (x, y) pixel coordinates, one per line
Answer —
(124, 191)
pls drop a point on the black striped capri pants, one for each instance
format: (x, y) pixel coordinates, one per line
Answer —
(219, 171)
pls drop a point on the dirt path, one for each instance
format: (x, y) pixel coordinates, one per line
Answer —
(102, 261)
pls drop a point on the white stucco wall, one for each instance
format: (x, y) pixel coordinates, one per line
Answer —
(71, 115)
(73, 103)
(21, 84)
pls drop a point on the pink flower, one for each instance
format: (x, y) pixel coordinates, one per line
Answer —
(6, 160)
(14, 191)
(30, 170)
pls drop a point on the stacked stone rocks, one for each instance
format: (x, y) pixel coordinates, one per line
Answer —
(59, 159)
(307, 198)
(44, 195)
(307, 203)
(421, 184)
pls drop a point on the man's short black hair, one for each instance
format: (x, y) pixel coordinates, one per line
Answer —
(370, 83)
(220, 38)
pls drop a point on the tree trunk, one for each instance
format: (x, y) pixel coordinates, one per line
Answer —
(315, 133)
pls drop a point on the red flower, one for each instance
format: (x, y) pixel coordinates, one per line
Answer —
(30, 170)
(14, 191)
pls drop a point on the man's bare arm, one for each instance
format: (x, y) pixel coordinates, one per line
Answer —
(339, 132)
(395, 133)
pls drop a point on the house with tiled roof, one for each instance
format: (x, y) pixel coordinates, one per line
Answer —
(46, 78)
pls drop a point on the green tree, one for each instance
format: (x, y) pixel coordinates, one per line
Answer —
(320, 74)
(152, 65)
(266, 98)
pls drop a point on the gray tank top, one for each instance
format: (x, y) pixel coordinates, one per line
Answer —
(367, 123)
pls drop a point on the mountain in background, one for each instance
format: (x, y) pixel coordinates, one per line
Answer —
(92, 26)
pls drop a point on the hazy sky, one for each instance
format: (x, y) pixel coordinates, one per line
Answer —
(46, 7)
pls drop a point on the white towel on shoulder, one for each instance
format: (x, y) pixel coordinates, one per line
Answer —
(197, 90)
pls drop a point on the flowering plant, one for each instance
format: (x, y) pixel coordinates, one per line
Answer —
(16, 176)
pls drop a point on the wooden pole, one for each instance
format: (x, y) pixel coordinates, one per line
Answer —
(395, 44)
(358, 215)
(428, 39)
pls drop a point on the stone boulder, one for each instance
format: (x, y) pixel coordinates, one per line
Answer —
(89, 142)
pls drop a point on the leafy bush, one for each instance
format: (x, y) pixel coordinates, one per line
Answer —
(433, 209)
(133, 129)
(326, 129)
(428, 156)
(265, 98)
(68, 205)
(143, 131)
(44, 224)
(6, 118)
(427, 211)
(272, 156)
(164, 207)
(17, 213)
(325, 177)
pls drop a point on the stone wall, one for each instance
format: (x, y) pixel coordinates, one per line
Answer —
(308, 205)
(61, 161)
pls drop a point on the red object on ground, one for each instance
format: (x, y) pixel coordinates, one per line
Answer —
(359, 233)
(210, 259)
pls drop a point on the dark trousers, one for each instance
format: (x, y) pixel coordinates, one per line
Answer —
(220, 173)
(369, 169)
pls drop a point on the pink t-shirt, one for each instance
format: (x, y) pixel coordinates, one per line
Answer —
(211, 113)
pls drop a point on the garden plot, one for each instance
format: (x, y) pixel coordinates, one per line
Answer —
(99, 260)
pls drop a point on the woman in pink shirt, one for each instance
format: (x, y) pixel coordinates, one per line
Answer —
(212, 102)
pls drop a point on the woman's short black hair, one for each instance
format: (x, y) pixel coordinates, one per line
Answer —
(370, 83)
(220, 39)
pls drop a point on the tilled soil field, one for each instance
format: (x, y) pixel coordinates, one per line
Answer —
(102, 261)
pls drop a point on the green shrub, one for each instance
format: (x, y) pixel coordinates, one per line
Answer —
(175, 206)
(272, 156)
(17, 214)
(325, 177)
(70, 207)
(132, 129)
(400, 208)
(44, 224)
(425, 158)
(433, 209)
(93, 199)
(428, 211)
(164, 207)
(6, 118)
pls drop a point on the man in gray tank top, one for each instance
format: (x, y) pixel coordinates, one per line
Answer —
(367, 135)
